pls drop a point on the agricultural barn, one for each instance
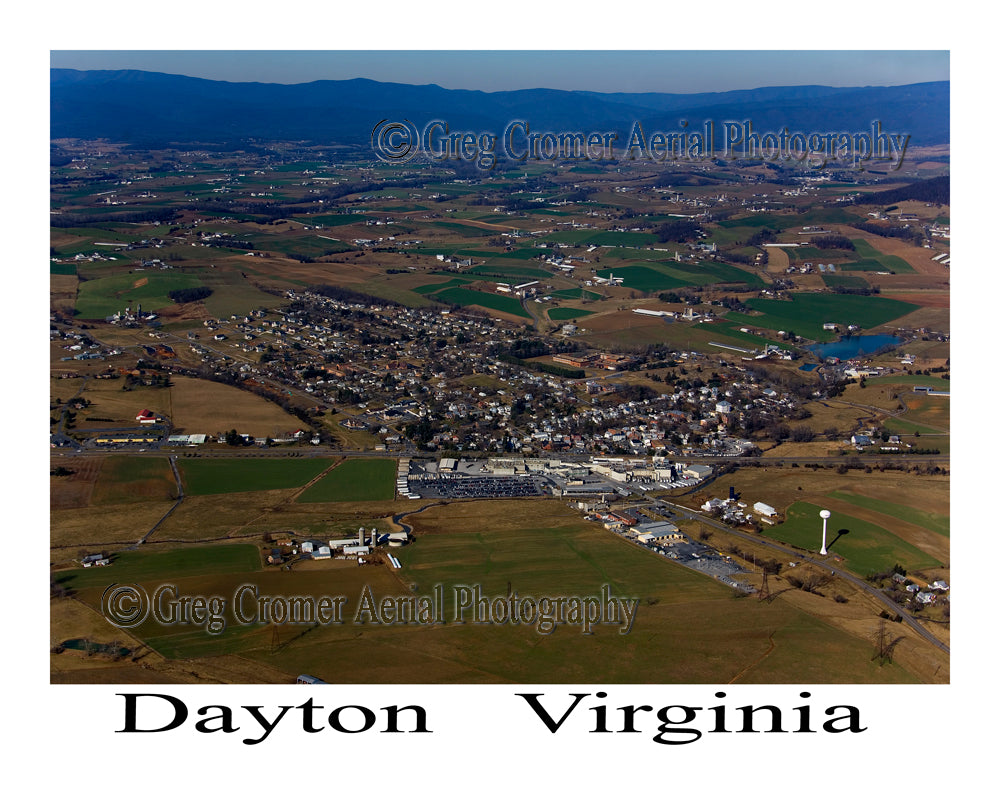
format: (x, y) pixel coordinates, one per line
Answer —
(764, 509)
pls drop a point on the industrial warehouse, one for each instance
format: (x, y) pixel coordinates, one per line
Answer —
(502, 477)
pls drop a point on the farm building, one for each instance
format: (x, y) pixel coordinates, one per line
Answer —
(764, 509)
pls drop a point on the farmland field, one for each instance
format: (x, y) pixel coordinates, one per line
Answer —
(657, 276)
(866, 547)
(131, 479)
(131, 566)
(469, 297)
(890, 262)
(576, 294)
(224, 475)
(644, 279)
(102, 297)
(847, 281)
(509, 271)
(200, 406)
(564, 313)
(805, 314)
(939, 523)
(354, 480)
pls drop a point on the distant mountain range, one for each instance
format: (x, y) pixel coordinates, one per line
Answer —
(155, 108)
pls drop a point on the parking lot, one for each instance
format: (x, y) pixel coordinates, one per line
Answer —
(477, 487)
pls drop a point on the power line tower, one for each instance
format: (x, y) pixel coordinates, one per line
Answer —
(882, 651)
(765, 591)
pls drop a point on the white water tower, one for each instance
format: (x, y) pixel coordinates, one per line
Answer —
(825, 515)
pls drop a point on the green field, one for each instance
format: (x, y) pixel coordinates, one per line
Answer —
(808, 253)
(506, 271)
(576, 294)
(806, 313)
(620, 239)
(567, 313)
(469, 297)
(136, 566)
(868, 253)
(773, 221)
(687, 628)
(102, 297)
(659, 276)
(356, 479)
(226, 475)
(431, 288)
(847, 281)
(467, 231)
(234, 294)
(911, 380)
(939, 523)
(331, 220)
(304, 243)
(865, 547)
(644, 279)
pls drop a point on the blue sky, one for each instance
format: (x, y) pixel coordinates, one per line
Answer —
(492, 70)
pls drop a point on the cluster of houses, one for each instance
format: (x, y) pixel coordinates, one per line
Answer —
(325, 357)
(923, 595)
